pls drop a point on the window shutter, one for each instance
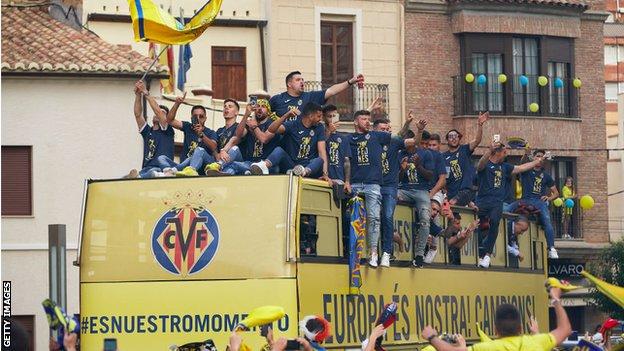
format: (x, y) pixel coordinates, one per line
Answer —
(16, 180)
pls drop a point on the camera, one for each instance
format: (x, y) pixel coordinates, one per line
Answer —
(253, 100)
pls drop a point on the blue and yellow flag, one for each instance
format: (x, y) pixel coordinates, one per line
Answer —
(613, 292)
(357, 236)
(153, 24)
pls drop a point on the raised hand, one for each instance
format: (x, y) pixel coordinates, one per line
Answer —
(422, 124)
(180, 99)
(483, 117)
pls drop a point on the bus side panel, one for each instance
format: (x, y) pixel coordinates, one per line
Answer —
(155, 315)
(451, 301)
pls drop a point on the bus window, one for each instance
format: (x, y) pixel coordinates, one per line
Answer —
(308, 235)
(320, 233)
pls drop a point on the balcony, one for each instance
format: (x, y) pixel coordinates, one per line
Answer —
(556, 99)
(355, 99)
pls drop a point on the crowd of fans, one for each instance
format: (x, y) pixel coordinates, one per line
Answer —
(296, 131)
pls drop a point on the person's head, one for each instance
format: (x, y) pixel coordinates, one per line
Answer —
(294, 82)
(539, 153)
(453, 137)
(199, 112)
(230, 108)
(331, 117)
(313, 112)
(569, 182)
(262, 109)
(507, 321)
(521, 225)
(456, 220)
(382, 125)
(409, 135)
(499, 153)
(361, 120)
(435, 208)
(424, 139)
(155, 120)
(434, 142)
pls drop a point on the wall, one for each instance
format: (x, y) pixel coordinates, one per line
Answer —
(79, 129)
(616, 177)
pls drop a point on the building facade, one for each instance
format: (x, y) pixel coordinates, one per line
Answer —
(446, 40)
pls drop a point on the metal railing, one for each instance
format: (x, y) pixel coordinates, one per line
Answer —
(515, 96)
(566, 222)
(355, 99)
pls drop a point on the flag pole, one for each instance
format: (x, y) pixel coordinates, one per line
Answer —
(154, 62)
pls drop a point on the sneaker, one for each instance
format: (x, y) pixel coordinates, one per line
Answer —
(385, 260)
(157, 174)
(417, 262)
(299, 171)
(247, 173)
(258, 168)
(484, 262)
(134, 173)
(430, 256)
(372, 261)
(187, 172)
(215, 166)
(512, 250)
(170, 171)
(552, 253)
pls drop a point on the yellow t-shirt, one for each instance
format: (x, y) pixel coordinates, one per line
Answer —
(566, 192)
(545, 342)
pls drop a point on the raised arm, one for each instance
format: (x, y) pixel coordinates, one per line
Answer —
(171, 116)
(241, 130)
(162, 117)
(483, 117)
(527, 166)
(406, 125)
(277, 125)
(486, 156)
(340, 87)
(138, 104)
(564, 328)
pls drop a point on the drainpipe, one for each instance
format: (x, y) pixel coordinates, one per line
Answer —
(262, 55)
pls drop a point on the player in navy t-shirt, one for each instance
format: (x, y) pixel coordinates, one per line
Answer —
(538, 189)
(492, 173)
(389, 185)
(459, 166)
(338, 149)
(296, 97)
(367, 174)
(439, 178)
(227, 142)
(303, 145)
(157, 138)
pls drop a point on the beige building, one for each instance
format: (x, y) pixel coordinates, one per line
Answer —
(615, 168)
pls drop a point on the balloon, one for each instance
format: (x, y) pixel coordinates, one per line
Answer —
(587, 202)
(534, 107)
(481, 79)
(569, 203)
(558, 202)
(576, 83)
(524, 80)
(502, 78)
(469, 78)
(542, 81)
(558, 83)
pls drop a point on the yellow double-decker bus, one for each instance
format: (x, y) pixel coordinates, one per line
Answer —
(169, 261)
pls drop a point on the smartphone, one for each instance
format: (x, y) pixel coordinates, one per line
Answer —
(110, 344)
(548, 155)
(293, 345)
(194, 120)
(497, 138)
(253, 100)
(264, 330)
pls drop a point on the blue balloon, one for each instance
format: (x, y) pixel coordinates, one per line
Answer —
(524, 80)
(481, 79)
(569, 203)
(558, 83)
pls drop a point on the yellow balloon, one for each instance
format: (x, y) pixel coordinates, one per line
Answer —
(534, 107)
(577, 83)
(558, 202)
(587, 202)
(502, 78)
(542, 81)
(469, 78)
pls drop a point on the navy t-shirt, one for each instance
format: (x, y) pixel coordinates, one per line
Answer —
(535, 184)
(390, 163)
(366, 149)
(156, 143)
(284, 102)
(439, 168)
(337, 149)
(300, 142)
(224, 135)
(460, 170)
(492, 179)
(255, 149)
(411, 179)
(193, 141)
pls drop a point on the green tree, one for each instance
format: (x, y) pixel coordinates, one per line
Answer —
(610, 268)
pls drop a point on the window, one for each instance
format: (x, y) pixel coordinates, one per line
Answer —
(525, 62)
(558, 95)
(488, 96)
(569, 226)
(16, 180)
(611, 91)
(337, 60)
(28, 323)
(610, 54)
(229, 73)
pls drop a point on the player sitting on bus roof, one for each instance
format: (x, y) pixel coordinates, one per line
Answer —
(508, 327)
(492, 173)
(227, 141)
(157, 138)
(516, 227)
(303, 148)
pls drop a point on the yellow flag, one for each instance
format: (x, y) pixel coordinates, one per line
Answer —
(153, 24)
(613, 292)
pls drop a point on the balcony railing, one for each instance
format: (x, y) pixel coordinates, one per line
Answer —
(355, 99)
(558, 98)
(567, 222)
